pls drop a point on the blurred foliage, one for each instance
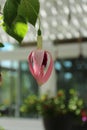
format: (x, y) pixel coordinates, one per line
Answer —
(59, 104)
(30, 105)
(1, 128)
(1, 44)
(75, 103)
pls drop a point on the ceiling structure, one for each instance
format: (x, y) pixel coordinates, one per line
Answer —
(64, 19)
(60, 19)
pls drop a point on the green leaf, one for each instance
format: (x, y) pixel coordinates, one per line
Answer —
(30, 10)
(17, 13)
(18, 30)
(10, 11)
(1, 17)
(11, 20)
(1, 44)
(1, 20)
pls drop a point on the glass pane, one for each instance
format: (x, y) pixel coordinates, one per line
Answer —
(73, 74)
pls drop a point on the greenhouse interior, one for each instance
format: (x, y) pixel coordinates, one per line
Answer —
(43, 65)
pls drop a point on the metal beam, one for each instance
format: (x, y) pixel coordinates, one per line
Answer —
(69, 41)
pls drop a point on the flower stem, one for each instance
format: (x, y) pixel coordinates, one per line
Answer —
(39, 42)
(39, 36)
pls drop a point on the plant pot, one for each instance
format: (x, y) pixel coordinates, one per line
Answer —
(63, 122)
(84, 126)
(55, 123)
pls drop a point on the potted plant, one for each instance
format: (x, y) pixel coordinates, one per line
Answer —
(53, 111)
(63, 111)
(60, 112)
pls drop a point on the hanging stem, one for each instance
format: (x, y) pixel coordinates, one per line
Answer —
(39, 36)
(39, 21)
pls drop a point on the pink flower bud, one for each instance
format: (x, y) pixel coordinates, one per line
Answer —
(40, 64)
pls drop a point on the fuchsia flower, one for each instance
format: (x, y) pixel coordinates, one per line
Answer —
(38, 64)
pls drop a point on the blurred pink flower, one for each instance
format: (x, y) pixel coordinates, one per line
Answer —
(84, 115)
(84, 118)
(38, 60)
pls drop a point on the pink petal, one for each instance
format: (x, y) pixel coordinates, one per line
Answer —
(49, 70)
(38, 57)
(40, 76)
(30, 63)
(37, 61)
(35, 70)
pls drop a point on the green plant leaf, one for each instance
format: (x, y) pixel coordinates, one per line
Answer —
(29, 9)
(17, 13)
(14, 25)
(18, 30)
(10, 11)
(1, 44)
(1, 17)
